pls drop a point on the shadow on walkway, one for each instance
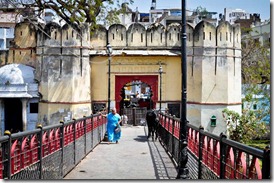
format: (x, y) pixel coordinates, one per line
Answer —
(135, 158)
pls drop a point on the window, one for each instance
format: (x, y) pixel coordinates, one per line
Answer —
(33, 107)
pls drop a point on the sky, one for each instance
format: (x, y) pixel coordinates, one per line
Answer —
(250, 6)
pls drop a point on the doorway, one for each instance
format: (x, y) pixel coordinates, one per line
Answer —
(136, 94)
(127, 89)
(150, 80)
(13, 115)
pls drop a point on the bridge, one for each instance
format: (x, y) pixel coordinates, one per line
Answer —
(62, 151)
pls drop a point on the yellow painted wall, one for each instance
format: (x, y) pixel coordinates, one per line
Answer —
(135, 65)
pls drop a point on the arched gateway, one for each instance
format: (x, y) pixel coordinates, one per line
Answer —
(122, 80)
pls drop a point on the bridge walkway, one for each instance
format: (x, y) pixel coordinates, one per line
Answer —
(134, 157)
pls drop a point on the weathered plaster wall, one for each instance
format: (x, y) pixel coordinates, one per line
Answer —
(69, 82)
(213, 65)
(23, 48)
(63, 70)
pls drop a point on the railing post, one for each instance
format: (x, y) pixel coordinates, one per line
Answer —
(166, 133)
(201, 143)
(62, 147)
(134, 116)
(266, 163)
(40, 150)
(173, 141)
(222, 156)
(92, 126)
(7, 156)
(74, 140)
(85, 132)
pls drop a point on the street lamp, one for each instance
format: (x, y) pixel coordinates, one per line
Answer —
(160, 72)
(183, 172)
(109, 52)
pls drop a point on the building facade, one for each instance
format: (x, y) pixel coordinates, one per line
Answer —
(71, 68)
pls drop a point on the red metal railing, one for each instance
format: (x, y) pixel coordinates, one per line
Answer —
(23, 150)
(242, 165)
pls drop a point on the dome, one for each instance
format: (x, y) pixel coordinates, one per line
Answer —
(16, 74)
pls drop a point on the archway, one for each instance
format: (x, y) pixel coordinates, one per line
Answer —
(13, 114)
(121, 81)
(136, 94)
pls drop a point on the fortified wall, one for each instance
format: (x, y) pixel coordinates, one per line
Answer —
(213, 64)
(63, 59)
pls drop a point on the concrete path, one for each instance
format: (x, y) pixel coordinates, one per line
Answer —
(134, 157)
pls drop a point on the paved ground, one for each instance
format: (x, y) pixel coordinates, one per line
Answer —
(134, 158)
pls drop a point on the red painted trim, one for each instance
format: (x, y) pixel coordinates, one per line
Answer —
(240, 166)
(202, 103)
(229, 169)
(134, 72)
(27, 48)
(48, 102)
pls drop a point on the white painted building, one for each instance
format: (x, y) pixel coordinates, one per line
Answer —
(261, 32)
(6, 35)
(7, 24)
(19, 98)
(231, 15)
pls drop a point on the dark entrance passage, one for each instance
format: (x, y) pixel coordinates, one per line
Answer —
(13, 115)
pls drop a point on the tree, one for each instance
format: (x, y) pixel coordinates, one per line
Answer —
(202, 12)
(256, 79)
(255, 60)
(245, 127)
(256, 72)
(73, 12)
(109, 15)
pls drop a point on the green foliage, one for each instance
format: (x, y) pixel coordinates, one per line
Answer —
(255, 60)
(256, 72)
(73, 12)
(260, 144)
(201, 11)
(258, 94)
(110, 12)
(245, 127)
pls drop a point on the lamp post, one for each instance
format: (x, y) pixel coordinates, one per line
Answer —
(183, 172)
(109, 52)
(160, 72)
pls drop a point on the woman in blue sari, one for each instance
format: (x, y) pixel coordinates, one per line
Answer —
(114, 120)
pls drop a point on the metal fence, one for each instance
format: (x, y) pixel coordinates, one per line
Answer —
(211, 156)
(49, 152)
(136, 115)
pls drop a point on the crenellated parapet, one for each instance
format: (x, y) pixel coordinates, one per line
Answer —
(52, 37)
(23, 47)
(133, 37)
(157, 36)
(71, 66)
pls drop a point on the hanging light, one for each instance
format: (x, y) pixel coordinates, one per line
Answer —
(109, 49)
